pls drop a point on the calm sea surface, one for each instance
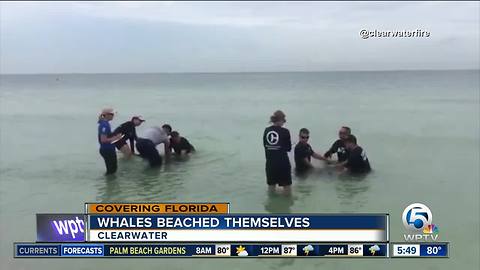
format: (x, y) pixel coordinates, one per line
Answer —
(420, 130)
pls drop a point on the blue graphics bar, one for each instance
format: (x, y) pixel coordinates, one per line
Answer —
(238, 222)
(314, 228)
(412, 250)
(110, 250)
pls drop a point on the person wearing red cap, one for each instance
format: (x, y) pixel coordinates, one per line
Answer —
(128, 129)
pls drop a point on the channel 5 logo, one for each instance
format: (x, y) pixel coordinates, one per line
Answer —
(417, 219)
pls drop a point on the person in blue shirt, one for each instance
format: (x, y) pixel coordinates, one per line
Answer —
(106, 141)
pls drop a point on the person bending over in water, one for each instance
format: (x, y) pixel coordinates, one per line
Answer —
(147, 144)
(357, 161)
(105, 139)
(338, 146)
(180, 145)
(277, 144)
(304, 152)
(128, 129)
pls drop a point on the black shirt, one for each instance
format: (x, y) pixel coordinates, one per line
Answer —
(276, 141)
(184, 144)
(339, 148)
(302, 151)
(357, 161)
(127, 128)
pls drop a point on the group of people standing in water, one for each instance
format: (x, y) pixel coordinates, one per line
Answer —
(146, 145)
(277, 143)
(351, 158)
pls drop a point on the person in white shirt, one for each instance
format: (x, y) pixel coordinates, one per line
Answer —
(147, 144)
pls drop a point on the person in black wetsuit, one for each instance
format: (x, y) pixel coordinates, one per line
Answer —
(128, 129)
(357, 162)
(338, 146)
(180, 145)
(304, 152)
(277, 144)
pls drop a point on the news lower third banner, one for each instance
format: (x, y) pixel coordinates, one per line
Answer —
(237, 228)
(211, 230)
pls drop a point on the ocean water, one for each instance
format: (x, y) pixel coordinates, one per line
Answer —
(420, 130)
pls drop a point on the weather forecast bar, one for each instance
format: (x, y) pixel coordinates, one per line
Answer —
(306, 250)
(413, 250)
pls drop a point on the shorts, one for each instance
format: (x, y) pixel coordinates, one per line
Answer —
(148, 151)
(279, 172)
(120, 143)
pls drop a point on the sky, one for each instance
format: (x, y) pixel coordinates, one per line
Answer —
(169, 36)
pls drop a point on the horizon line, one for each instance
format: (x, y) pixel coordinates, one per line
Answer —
(235, 72)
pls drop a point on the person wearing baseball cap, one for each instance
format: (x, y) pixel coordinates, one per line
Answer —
(128, 129)
(106, 140)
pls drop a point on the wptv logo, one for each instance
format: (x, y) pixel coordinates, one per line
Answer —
(417, 219)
